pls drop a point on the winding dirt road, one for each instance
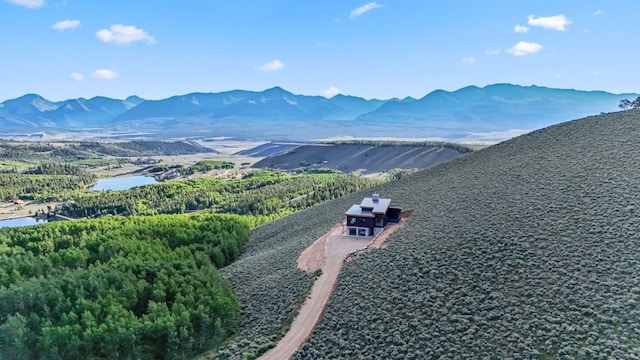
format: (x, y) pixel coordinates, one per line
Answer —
(326, 253)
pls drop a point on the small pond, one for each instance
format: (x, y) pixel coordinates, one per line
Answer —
(122, 183)
(22, 221)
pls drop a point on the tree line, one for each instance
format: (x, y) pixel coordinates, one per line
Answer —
(441, 144)
(44, 181)
(143, 148)
(92, 153)
(202, 166)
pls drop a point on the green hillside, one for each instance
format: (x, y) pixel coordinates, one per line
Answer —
(526, 249)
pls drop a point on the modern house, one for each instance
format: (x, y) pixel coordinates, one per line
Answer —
(371, 216)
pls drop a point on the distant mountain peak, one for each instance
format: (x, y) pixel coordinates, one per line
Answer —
(276, 91)
(28, 103)
(134, 99)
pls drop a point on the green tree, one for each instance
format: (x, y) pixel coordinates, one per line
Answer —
(13, 338)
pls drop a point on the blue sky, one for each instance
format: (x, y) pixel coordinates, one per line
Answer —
(65, 49)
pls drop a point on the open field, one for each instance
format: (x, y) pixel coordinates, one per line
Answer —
(11, 211)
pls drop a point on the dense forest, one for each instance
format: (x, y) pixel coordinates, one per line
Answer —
(44, 181)
(118, 288)
(202, 166)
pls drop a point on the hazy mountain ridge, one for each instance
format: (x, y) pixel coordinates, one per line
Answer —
(277, 112)
(499, 105)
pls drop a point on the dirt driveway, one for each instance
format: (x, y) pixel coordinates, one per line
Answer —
(326, 253)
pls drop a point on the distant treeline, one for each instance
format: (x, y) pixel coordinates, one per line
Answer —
(93, 153)
(57, 169)
(262, 193)
(44, 187)
(34, 153)
(144, 148)
(202, 166)
(118, 288)
(459, 147)
(45, 181)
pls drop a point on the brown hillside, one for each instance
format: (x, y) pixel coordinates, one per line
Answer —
(364, 158)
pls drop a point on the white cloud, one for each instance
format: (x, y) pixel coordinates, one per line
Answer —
(124, 34)
(598, 12)
(330, 92)
(469, 60)
(493, 52)
(77, 76)
(105, 74)
(557, 22)
(524, 48)
(31, 4)
(363, 9)
(66, 24)
(521, 29)
(272, 66)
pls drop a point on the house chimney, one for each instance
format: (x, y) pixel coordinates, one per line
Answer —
(375, 197)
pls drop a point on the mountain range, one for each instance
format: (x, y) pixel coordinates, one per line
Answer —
(277, 114)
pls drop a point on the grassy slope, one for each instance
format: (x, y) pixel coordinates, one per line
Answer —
(506, 247)
(529, 248)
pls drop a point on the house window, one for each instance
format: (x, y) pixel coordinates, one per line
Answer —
(362, 232)
(352, 231)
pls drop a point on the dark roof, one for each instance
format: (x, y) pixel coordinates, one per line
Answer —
(356, 210)
(368, 207)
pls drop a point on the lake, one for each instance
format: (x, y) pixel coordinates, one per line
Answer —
(122, 183)
(22, 221)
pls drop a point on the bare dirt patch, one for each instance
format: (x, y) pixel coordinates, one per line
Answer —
(29, 208)
(315, 256)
